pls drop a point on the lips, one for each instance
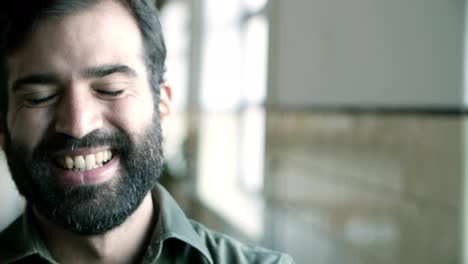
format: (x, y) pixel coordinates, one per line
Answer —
(85, 166)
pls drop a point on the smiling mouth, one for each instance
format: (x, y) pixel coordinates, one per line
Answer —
(86, 162)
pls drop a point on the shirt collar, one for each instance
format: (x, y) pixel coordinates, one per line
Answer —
(175, 224)
(23, 240)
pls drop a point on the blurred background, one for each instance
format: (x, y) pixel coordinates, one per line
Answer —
(331, 130)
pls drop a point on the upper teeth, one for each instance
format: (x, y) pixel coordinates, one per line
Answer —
(87, 162)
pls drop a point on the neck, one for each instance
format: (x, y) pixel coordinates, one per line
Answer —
(123, 244)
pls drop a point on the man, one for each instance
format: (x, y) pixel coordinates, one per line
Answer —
(82, 103)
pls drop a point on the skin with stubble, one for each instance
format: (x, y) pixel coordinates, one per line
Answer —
(83, 139)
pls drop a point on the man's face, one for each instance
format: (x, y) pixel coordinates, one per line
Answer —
(83, 141)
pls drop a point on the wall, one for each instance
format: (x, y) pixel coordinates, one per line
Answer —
(365, 188)
(406, 53)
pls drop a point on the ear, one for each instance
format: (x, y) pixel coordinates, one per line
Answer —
(165, 103)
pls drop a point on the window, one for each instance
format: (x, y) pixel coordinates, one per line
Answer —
(232, 127)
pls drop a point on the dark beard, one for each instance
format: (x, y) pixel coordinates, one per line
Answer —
(88, 210)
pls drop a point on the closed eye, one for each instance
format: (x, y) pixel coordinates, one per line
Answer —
(106, 94)
(36, 102)
(112, 93)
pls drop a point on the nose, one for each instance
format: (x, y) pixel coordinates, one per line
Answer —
(77, 114)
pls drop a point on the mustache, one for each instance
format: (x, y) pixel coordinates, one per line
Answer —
(62, 142)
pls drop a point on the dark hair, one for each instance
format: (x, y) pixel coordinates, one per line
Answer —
(19, 18)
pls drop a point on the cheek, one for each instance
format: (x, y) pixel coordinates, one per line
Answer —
(29, 127)
(133, 114)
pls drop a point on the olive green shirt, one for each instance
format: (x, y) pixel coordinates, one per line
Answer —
(175, 239)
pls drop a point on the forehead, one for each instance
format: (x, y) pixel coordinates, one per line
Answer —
(105, 33)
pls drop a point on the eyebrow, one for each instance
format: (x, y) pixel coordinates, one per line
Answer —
(92, 72)
(45, 79)
(108, 69)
